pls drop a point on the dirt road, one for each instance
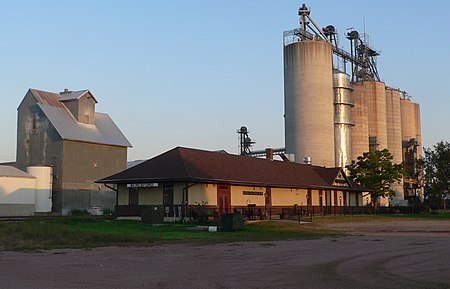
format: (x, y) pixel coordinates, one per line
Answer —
(377, 255)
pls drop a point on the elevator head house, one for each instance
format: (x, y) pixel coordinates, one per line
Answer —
(64, 131)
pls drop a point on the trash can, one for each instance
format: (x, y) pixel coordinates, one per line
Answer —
(232, 222)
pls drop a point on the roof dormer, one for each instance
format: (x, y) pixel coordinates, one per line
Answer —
(81, 104)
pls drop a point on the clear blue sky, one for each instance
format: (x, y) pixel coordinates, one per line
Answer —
(190, 73)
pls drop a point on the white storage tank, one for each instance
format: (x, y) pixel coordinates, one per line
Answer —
(308, 101)
(43, 195)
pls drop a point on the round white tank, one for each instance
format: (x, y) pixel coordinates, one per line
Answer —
(43, 196)
(308, 101)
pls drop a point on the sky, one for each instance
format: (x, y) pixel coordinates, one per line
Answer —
(191, 73)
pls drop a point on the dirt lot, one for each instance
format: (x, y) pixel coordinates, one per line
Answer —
(378, 254)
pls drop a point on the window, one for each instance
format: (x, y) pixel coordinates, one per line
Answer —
(34, 122)
(133, 198)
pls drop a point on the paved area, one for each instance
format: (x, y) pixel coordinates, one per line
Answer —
(376, 255)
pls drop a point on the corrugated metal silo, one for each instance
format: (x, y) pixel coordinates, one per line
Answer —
(360, 133)
(342, 119)
(393, 124)
(308, 101)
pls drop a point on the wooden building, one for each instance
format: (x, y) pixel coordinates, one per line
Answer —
(63, 130)
(182, 179)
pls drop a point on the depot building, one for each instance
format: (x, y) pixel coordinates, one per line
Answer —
(182, 179)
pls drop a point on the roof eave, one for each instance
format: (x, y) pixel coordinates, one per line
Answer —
(217, 181)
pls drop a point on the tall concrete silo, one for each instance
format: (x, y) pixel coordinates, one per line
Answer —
(342, 119)
(412, 145)
(360, 133)
(308, 101)
(408, 119)
(394, 138)
(393, 124)
(376, 98)
(369, 115)
(418, 129)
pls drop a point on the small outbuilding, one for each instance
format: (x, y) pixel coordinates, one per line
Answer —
(25, 193)
(182, 180)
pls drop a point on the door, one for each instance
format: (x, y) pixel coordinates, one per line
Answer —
(168, 200)
(321, 202)
(223, 199)
(268, 198)
(133, 208)
(133, 197)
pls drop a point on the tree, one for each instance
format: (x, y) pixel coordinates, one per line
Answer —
(375, 171)
(436, 174)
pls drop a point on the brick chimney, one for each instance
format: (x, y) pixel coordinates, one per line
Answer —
(269, 154)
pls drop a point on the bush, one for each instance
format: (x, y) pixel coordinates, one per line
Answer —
(79, 212)
(107, 212)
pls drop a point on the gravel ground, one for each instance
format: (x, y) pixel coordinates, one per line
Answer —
(406, 254)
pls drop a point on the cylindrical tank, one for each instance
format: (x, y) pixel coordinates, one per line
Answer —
(308, 101)
(376, 97)
(360, 133)
(393, 124)
(418, 129)
(342, 119)
(394, 138)
(408, 119)
(43, 196)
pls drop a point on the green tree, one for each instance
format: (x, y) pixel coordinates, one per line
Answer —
(375, 171)
(436, 174)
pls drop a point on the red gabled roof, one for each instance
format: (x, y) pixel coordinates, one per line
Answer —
(193, 165)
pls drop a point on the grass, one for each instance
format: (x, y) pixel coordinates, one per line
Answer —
(84, 232)
(87, 232)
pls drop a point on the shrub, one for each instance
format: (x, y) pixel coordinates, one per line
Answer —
(107, 212)
(79, 212)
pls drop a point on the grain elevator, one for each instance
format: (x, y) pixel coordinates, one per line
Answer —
(336, 107)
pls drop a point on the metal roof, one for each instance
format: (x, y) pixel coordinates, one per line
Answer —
(192, 165)
(8, 171)
(105, 131)
(70, 95)
(47, 98)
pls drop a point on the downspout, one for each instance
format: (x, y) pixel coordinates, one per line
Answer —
(117, 200)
